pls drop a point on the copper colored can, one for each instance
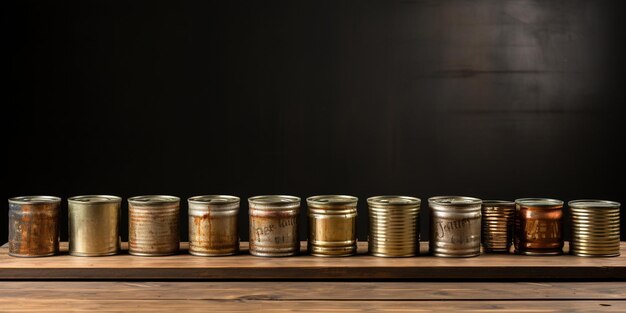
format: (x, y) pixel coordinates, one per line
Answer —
(497, 224)
(153, 225)
(454, 226)
(34, 226)
(538, 226)
(274, 225)
(213, 225)
(94, 225)
(332, 225)
(595, 228)
(394, 226)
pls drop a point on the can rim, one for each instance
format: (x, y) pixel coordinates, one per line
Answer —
(539, 201)
(214, 199)
(274, 200)
(331, 200)
(498, 202)
(454, 200)
(388, 200)
(34, 199)
(94, 199)
(153, 199)
(593, 204)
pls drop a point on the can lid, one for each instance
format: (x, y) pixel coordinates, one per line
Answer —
(394, 201)
(331, 200)
(593, 203)
(94, 199)
(214, 199)
(278, 200)
(539, 202)
(34, 199)
(153, 199)
(454, 200)
(498, 203)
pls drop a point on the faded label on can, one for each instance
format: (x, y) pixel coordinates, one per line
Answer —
(457, 231)
(274, 230)
(542, 229)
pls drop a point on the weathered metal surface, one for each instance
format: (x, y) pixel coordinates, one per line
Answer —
(154, 225)
(595, 228)
(93, 223)
(274, 225)
(34, 226)
(332, 225)
(213, 225)
(538, 226)
(455, 226)
(498, 218)
(394, 226)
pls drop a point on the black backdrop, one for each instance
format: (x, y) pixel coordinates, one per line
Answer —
(494, 99)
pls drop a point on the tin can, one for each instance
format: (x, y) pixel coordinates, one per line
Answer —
(497, 224)
(34, 226)
(538, 226)
(595, 228)
(213, 225)
(153, 225)
(455, 226)
(274, 225)
(94, 225)
(394, 226)
(332, 225)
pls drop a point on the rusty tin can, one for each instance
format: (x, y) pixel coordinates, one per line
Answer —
(34, 226)
(274, 225)
(153, 225)
(595, 228)
(497, 224)
(94, 225)
(213, 225)
(394, 226)
(455, 226)
(332, 225)
(538, 226)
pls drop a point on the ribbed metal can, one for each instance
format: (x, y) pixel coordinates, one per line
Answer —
(34, 226)
(394, 226)
(213, 225)
(538, 226)
(498, 218)
(94, 225)
(332, 225)
(595, 228)
(455, 226)
(153, 225)
(274, 225)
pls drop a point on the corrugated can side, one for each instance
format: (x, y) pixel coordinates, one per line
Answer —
(34, 226)
(94, 225)
(332, 225)
(455, 226)
(595, 228)
(498, 217)
(154, 225)
(394, 226)
(213, 225)
(274, 225)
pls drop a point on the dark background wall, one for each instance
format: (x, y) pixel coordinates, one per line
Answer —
(494, 99)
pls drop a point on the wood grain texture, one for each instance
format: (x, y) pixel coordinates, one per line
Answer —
(364, 267)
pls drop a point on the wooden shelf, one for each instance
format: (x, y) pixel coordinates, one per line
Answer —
(364, 267)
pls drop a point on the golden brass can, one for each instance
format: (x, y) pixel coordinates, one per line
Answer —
(595, 228)
(94, 225)
(538, 226)
(455, 226)
(394, 226)
(34, 226)
(332, 225)
(213, 225)
(274, 225)
(497, 224)
(153, 225)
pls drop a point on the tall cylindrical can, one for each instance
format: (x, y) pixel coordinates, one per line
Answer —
(454, 226)
(274, 225)
(153, 225)
(497, 224)
(213, 225)
(34, 226)
(332, 225)
(595, 228)
(394, 226)
(538, 226)
(94, 225)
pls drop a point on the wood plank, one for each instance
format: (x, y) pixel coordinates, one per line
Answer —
(24, 291)
(362, 266)
(62, 305)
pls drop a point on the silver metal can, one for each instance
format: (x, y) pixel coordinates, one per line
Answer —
(274, 225)
(595, 228)
(497, 224)
(394, 226)
(332, 225)
(455, 226)
(34, 226)
(213, 225)
(153, 225)
(94, 225)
